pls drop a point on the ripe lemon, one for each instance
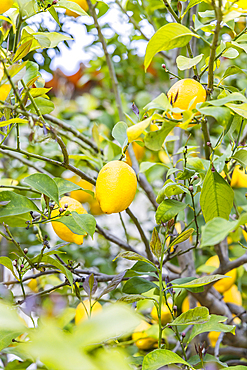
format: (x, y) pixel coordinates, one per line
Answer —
(139, 153)
(5, 5)
(141, 338)
(165, 314)
(213, 337)
(186, 304)
(62, 230)
(115, 187)
(95, 208)
(239, 178)
(224, 284)
(82, 311)
(233, 295)
(81, 195)
(183, 92)
(83, 5)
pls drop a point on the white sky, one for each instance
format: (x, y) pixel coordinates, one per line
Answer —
(69, 59)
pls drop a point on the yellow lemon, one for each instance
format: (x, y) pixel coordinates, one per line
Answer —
(186, 304)
(82, 311)
(139, 153)
(33, 285)
(115, 187)
(142, 341)
(183, 92)
(233, 295)
(224, 284)
(4, 91)
(165, 314)
(81, 195)
(239, 178)
(213, 337)
(62, 230)
(5, 5)
(83, 5)
(95, 208)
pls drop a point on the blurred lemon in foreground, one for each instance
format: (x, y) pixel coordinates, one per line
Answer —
(224, 284)
(115, 187)
(239, 178)
(183, 92)
(62, 231)
(165, 314)
(83, 5)
(82, 311)
(5, 5)
(81, 195)
(141, 338)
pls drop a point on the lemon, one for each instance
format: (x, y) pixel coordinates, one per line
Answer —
(62, 230)
(239, 178)
(95, 208)
(224, 284)
(233, 295)
(165, 314)
(82, 311)
(83, 5)
(183, 92)
(139, 153)
(213, 337)
(186, 304)
(141, 338)
(5, 5)
(115, 187)
(81, 195)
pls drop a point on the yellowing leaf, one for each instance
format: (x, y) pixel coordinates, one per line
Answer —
(136, 130)
(4, 91)
(1, 71)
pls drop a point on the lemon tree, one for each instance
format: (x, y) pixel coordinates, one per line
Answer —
(123, 186)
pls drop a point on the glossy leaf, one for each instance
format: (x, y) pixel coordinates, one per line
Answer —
(184, 63)
(216, 197)
(170, 36)
(155, 139)
(13, 121)
(182, 237)
(168, 209)
(216, 230)
(79, 224)
(161, 357)
(215, 323)
(241, 157)
(119, 133)
(155, 243)
(198, 315)
(23, 50)
(133, 257)
(7, 262)
(18, 204)
(45, 106)
(205, 280)
(44, 184)
(138, 285)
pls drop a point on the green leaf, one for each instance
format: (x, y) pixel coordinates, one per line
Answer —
(155, 139)
(216, 197)
(18, 365)
(7, 262)
(194, 316)
(194, 360)
(217, 230)
(205, 280)
(182, 237)
(161, 103)
(232, 70)
(13, 120)
(241, 157)
(119, 133)
(65, 186)
(18, 204)
(221, 114)
(184, 63)
(18, 220)
(54, 15)
(57, 264)
(240, 109)
(45, 106)
(215, 323)
(138, 285)
(145, 166)
(155, 244)
(70, 5)
(228, 99)
(132, 298)
(161, 357)
(190, 5)
(168, 209)
(7, 336)
(79, 224)
(44, 184)
(133, 257)
(170, 36)
(23, 50)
